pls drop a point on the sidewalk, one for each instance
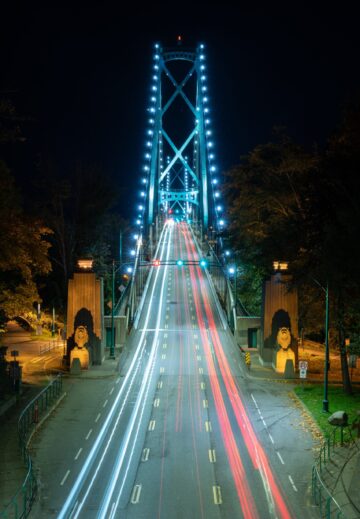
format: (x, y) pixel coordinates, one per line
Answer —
(341, 474)
(12, 467)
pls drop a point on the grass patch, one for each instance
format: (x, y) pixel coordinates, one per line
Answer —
(312, 397)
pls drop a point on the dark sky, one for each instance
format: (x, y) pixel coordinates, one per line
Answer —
(83, 77)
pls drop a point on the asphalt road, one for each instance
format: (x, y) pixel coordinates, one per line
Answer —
(181, 431)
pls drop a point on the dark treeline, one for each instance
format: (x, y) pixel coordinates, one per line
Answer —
(48, 220)
(286, 203)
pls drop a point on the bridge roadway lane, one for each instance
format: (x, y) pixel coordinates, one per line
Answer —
(177, 441)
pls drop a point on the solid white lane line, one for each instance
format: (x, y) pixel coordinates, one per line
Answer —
(64, 478)
(271, 439)
(78, 453)
(280, 458)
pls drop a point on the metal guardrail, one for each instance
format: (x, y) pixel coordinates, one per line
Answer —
(50, 346)
(20, 504)
(328, 507)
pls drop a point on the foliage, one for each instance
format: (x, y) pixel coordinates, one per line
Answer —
(79, 210)
(288, 204)
(23, 254)
(312, 397)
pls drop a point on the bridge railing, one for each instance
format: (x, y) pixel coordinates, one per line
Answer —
(225, 291)
(21, 502)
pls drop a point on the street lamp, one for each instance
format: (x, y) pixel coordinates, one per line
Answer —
(232, 270)
(326, 367)
(53, 323)
(326, 364)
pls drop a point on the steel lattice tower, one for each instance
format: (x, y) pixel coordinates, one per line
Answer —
(179, 157)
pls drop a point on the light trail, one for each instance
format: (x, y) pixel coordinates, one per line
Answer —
(69, 503)
(255, 449)
(141, 399)
(245, 497)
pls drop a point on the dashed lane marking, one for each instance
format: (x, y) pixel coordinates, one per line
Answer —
(280, 458)
(145, 454)
(97, 418)
(65, 478)
(78, 453)
(88, 435)
(208, 427)
(163, 356)
(202, 385)
(159, 384)
(105, 403)
(201, 371)
(212, 455)
(205, 404)
(217, 495)
(112, 389)
(156, 402)
(135, 496)
(151, 425)
(292, 483)
(162, 369)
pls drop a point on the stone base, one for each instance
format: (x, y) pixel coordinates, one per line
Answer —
(82, 354)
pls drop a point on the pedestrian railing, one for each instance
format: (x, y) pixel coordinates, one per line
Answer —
(50, 346)
(20, 504)
(328, 507)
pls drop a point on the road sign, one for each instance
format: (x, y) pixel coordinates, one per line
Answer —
(303, 364)
(302, 373)
(14, 353)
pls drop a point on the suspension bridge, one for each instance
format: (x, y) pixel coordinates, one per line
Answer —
(180, 434)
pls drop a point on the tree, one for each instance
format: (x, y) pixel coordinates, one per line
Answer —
(288, 204)
(23, 253)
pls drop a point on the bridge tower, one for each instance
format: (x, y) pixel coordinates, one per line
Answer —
(179, 159)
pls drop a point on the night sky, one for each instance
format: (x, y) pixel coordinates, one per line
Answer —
(82, 79)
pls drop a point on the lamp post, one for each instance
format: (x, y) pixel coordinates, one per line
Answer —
(114, 271)
(326, 367)
(112, 343)
(233, 272)
(53, 323)
(326, 363)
